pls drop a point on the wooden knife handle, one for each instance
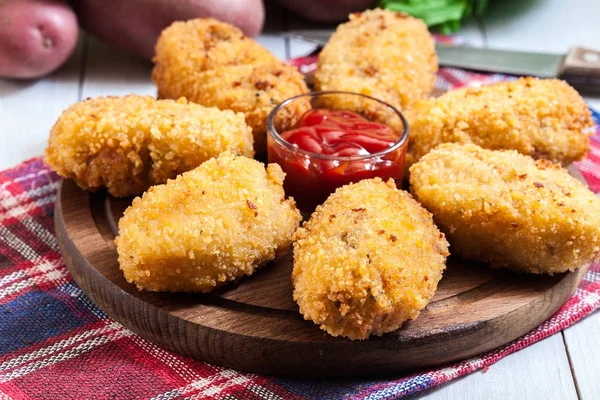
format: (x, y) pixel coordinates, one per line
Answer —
(581, 68)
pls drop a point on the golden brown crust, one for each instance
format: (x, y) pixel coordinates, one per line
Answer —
(368, 259)
(253, 90)
(207, 227)
(507, 209)
(383, 54)
(129, 143)
(187, 47)
(541, 118)
(212, 63)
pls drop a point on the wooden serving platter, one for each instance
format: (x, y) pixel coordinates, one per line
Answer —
(254, 325)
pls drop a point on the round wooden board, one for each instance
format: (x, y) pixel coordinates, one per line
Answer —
(254, 325)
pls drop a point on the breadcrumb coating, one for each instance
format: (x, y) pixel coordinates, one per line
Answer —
(543, 118)
(387, 55)
(369, 259)
(129, 143)
(212, 63)
(253, 90)
(507, 209)
(207, 227)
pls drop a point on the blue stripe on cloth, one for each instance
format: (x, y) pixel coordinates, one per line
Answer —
(356, 389)
(406, 387)
(320, 388)
(36, 316)
(73, 291)
(24, 169)
(595, 116)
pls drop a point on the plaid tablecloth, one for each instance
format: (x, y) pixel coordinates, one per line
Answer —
(56, 344)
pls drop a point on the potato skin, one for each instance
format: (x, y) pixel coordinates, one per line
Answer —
(36, 37)
(507, 209)
(369, 259)
(209, 226)
(129, 143)
(212, 63)
(383, 54)
(136, 24)
(543, 118)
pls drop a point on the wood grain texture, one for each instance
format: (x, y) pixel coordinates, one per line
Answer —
(583, 348)
(545, 363)
(255, 326)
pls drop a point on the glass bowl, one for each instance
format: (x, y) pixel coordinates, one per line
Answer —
(312, 177)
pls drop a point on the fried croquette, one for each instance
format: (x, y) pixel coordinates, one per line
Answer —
(207, 227)
(507, 209)
(212, 63)
(541, 118)
(129, 143)
(387, 55)
(369, 259)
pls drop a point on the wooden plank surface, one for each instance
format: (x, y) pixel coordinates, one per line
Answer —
(541, 371)
(583, 349)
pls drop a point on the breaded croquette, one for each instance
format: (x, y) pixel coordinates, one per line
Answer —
(253, 90)
(207, 227)
(507, 209)
(369, 259)
(387, 55)
(212, 63)
(187, 47)
(129, 143)
(541, 118)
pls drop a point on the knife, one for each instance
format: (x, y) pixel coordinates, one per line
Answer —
(580, 67)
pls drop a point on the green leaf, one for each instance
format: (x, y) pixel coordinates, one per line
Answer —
(480, 6)
(445, 15)
(431, 14)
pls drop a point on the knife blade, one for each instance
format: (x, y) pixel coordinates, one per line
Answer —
(580, 66)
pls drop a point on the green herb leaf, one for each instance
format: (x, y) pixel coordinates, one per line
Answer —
(445, 15)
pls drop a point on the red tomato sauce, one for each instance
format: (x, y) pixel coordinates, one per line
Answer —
(334, 133)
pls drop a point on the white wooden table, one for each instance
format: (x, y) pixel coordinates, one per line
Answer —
(564, 366)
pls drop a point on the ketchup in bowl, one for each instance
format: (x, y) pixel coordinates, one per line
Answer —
(327, 148)
(339, 133)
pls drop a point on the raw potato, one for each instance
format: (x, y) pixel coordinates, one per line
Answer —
(507, 209)
(129, 143)
(36, 37)
(383, 54)
(212, 63)
(210, 226)
(369, 259)
(136, 24)
(543, 118)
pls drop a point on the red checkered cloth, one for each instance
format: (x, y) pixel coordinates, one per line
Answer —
(56, 344)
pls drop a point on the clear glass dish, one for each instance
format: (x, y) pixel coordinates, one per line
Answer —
(312, 177)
